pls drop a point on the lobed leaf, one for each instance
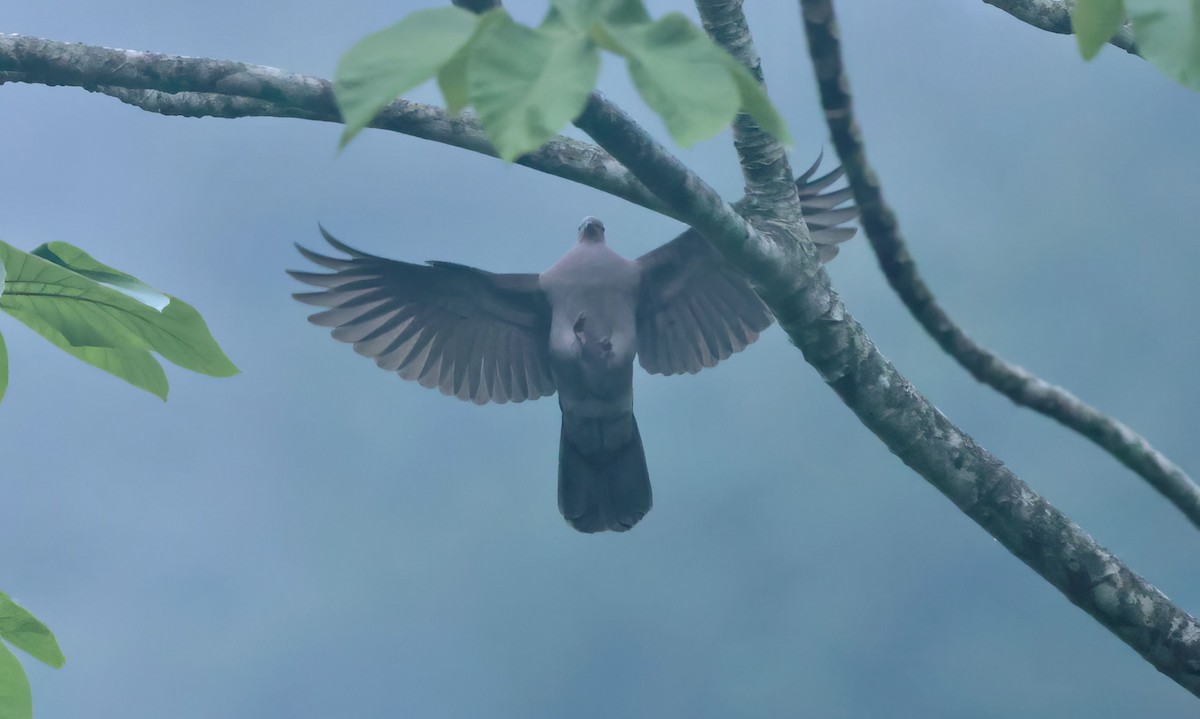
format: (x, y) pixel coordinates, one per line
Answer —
(103, 326)
(680, 74)
(526, 84)
(452, 77)
(80, 262)
(385, 64)
(1167, 33)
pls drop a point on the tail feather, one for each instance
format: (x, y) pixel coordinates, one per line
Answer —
(607, 490)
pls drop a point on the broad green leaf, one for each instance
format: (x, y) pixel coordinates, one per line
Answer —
(76, 260)
(582, 14)
(452, 77)
(385, 64)
(755, 101)
(23, 630)
(680, 74)
(1167, 33)
(525, 84)
(136, 366)
(15, 699)
(105, 327)
(1095, 22)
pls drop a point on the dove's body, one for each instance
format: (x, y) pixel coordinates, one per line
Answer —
(575, 329)
(602, 478)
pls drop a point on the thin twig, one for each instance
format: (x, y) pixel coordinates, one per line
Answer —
(1016, 383)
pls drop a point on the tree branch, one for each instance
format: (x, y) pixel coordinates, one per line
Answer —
(978, 483)
(1055, 16)
(1016, 383)
(765, 167)
(201, 87)
(1032, 529)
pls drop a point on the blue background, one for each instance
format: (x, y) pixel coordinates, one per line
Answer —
(316, 538)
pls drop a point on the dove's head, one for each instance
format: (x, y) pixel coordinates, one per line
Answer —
(591, 230)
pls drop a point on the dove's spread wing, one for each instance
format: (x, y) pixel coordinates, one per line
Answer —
(476, 335)
(821, 211)
(696, 309)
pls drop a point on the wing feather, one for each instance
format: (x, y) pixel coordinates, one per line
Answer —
(696, 309)
(479, 336)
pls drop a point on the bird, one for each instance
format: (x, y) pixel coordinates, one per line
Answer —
(574, 330)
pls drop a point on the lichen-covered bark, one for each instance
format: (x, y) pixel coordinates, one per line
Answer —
(1019, 385)
(764, 162)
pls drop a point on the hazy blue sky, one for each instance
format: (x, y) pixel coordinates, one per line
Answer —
(316, 538)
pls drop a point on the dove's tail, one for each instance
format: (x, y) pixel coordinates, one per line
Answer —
(602, 479)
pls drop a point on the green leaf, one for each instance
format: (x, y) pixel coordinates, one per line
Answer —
(1095, 22)
(78, 261)
(136, 366)
(755, 101)
(103, 326)
(582, 14)
(1167, 33)
(526, 84)
(680, 74)
(385, 64)
(452, 78)
(15, 699)
(23, 630)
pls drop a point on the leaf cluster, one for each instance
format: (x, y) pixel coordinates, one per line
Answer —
(104, 317)
(1167, 32)
(526, 83)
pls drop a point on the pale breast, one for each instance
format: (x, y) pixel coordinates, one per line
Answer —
(593, 287)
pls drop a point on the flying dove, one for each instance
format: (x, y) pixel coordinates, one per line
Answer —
(574, 329)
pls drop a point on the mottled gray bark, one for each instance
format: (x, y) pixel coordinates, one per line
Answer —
(815, 319)
(764, 161)
(1015, 382)
(1055, 16)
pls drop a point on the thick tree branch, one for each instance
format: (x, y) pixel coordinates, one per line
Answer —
(200, 87)
(1016, 383)
(1055, 16)
(978, 483)
(1025, 523)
